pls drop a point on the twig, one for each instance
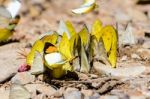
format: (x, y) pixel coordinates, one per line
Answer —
(59, 81)
(22, 53)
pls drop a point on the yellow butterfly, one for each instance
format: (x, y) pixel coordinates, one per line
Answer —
(108, 35)
(57, 59)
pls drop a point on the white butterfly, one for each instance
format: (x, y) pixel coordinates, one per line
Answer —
(8, 19)
(88, 6)
(9, 11)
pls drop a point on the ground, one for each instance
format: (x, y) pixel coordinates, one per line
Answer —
(130, 80)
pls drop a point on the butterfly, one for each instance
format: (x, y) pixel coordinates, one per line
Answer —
(88, 6)
(8, 18)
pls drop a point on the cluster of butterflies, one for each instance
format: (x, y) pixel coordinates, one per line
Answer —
(68, 50)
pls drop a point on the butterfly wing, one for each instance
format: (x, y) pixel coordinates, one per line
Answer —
(88, 6)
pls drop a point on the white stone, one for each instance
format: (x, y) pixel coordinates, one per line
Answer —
(8, 60)
(19, 92)
(124, 58)
(48, 90)
(138, 97)
(23, 78)
(146, 45)
(73, 95)
(135, 56)
(4, 93)
(128, 71)
(109, 97)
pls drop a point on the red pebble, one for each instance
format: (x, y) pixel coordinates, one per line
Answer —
(23, 68)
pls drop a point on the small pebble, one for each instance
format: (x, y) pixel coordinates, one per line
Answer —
(87, 92)
(73, 95)
(146, 45)
(23, 78)
(124, 58)
(135, 56)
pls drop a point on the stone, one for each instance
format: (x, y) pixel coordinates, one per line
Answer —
(137, 15)
(135, 56)
(40, 96)
(109, 97)
(144, 53)
(69, 89)
(19, 92)
(8, 61)
(59, 93)
(4, 93)
(138, 97)
(93, 76)
(146, 45)
(124, 58)
(48, 90)
(127, 71)
(73, 95)
(87, 92)
(95, 96)
(23, 78)
(119, 93)
(146, 92)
